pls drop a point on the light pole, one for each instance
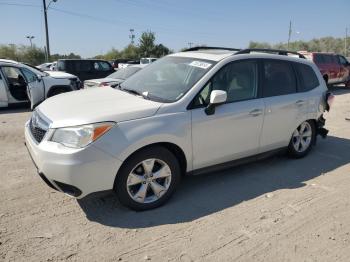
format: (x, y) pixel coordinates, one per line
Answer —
(289, 33)
(30, 37)
(132, 36)
(46, 7)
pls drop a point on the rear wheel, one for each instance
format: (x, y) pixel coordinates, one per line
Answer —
(347, 84)
(302, 139)
(148, 178)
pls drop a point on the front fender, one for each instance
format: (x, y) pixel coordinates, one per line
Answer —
(129, 136)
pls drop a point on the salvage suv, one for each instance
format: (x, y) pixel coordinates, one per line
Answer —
(24, 83)
(187, 113)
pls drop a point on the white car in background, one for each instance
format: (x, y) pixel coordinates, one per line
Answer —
(53, 66)
(187, 113)
(24, 83)
(44, 67)
(147, 60)
(114, 79)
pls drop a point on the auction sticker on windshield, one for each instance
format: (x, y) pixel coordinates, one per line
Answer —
(200, 64)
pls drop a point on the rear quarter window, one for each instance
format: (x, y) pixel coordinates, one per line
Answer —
(61, 66)
(307, 77)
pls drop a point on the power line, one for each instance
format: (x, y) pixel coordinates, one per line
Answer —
(15, 4)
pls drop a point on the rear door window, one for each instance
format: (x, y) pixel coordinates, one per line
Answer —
(82, 66)
(307, 77)
(279, 78)
(102, 66)
(342, 60)
(329, 59)
(61, 66)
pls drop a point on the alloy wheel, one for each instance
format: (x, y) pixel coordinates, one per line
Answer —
(149, 180)
(302, 137)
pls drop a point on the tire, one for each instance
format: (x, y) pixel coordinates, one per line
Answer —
(308, 137)
(347, 84)
(133, 179)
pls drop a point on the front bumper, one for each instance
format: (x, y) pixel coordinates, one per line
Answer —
(76, 172)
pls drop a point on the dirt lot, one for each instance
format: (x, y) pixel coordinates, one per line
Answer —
(274, 210)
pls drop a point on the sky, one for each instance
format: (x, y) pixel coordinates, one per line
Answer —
(91, 27)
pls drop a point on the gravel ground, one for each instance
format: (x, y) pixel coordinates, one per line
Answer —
(277, 209)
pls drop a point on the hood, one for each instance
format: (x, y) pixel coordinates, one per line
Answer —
(59, 74)
(96, 82)
(96, 105)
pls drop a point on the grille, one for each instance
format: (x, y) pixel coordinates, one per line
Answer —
(38, 126)
(37, 132)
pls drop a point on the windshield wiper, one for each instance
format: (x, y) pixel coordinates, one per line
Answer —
(135, 92)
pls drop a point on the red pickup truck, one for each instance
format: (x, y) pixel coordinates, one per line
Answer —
(334, 68)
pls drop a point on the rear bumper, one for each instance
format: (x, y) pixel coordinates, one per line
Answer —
(320, 130)
(76, 172)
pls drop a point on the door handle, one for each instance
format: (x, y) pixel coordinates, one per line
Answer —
(300, 102)
(255, 112)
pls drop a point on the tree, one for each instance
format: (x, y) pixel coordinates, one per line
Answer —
(130, 52)
(161, 50)
(146, 45)
(253, 44)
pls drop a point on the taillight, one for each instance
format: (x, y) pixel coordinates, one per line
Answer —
(329, 99)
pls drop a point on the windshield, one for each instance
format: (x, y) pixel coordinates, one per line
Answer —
(35, 70)
(169, 78)
(124, 73)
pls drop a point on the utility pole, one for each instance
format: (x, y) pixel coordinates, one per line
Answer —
(132, 36)
(346, 42)
(47, 33)
(190, 44)
(289, 33)
(46, 7)
(30, 37)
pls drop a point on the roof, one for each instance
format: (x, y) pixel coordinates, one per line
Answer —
(220, 53)
(8, 61)
(210, 54)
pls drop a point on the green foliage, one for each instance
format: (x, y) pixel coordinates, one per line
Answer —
(253, 44)
(55, 57)
(147, 47)
(324, 44)
(31, 55)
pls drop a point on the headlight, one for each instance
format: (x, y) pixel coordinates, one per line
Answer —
(80, 136)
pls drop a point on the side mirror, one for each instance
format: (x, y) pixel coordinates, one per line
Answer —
(217, 97)
(38, 78)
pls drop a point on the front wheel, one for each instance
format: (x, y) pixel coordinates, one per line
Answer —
(302, 139)
(148, 178)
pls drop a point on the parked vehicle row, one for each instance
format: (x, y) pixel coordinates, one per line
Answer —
(187, 113)
(85, 69)
(24, 83)
(115, 78)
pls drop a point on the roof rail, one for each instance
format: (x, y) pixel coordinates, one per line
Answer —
(264, 50)
(197, 48)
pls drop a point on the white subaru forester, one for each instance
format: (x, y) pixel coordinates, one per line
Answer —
(187, 113)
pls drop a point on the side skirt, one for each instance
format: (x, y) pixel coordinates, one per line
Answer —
(237, 162)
